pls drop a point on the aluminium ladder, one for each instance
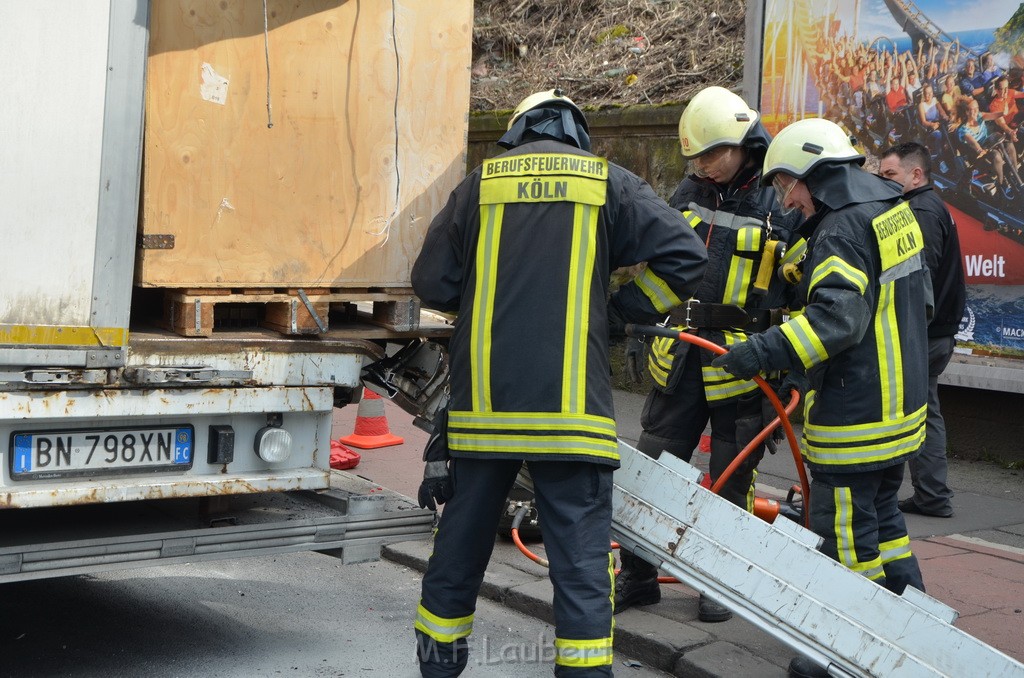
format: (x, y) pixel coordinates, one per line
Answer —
(773, 576)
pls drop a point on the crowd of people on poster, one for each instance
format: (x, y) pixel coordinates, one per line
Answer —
(962, 106)
(915, 70)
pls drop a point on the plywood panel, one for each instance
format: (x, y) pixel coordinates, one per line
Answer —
(368, 137)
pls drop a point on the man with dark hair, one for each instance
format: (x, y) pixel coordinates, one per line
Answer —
(524, 252)
(909, 165)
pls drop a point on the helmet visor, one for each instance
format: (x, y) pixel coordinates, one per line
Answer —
(713, 161)
(784, 185)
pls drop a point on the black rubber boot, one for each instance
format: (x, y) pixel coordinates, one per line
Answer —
(441, 660)
(636, 583)
(711, 612)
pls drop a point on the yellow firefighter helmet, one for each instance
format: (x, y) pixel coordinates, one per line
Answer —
(714, 117)
(805, 144)
(547, 98)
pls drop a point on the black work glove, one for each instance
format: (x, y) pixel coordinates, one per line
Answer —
(742, 360)
(794, 379)
(634, 360)
(438, 486)
(616, 321)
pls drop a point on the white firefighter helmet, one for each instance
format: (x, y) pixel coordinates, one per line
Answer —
(803, 145)
(714, 117)
(547, 98)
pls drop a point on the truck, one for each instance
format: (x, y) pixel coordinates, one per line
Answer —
(209, 219)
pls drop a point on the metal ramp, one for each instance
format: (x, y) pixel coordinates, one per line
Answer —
(774, 577)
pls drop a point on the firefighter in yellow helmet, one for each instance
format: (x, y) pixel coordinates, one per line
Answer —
(737, 219)
(863, 341)
(524, 251)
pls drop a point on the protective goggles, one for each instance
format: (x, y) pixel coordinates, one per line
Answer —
(715, 159)
(783, 187)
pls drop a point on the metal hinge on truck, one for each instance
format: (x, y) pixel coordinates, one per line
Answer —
(185, 375)
(55, 375)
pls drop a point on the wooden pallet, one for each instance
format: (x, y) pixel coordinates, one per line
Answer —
(203, 312)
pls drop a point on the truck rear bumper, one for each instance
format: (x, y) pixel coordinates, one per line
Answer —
(352, 520)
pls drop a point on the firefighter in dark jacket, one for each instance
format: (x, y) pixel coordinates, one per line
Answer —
(909, 165)
(862, 339)
(738, 220)
(524, 251)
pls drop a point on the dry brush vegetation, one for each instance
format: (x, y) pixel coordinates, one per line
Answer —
(604, 52)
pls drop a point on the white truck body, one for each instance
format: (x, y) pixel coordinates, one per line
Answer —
(94, 414)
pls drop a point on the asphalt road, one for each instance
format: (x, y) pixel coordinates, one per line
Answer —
(298, 615)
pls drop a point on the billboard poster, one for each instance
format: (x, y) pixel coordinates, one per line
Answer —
(947, 74)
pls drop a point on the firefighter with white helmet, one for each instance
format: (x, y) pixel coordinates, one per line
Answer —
(738, 220)
(523, 252)
(862, 340)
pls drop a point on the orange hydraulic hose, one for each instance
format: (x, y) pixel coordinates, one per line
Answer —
(783, 412)
(783, 418)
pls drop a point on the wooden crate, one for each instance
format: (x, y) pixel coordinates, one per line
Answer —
(368, 137)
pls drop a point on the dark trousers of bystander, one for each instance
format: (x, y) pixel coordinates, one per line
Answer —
(929, 469)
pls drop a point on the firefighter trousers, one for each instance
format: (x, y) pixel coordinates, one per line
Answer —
(574, 505)
(674, 422)
(858, 516)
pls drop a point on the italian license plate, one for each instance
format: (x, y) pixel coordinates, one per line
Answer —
(55, 454)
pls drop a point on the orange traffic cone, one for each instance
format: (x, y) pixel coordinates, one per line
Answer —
(371, 429)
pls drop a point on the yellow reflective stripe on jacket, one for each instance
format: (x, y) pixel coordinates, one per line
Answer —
(720, 385)
(441, 629)
(532, 433)
(496, 443)
(805, 341)
(866, 432)
(486, 276)
(845, 544)
(834, 264)
(654, 288)
(583, 653)
(692, 218)
(742, 269)
(863, 443)
(794, 253)
(897, 549)
(533, 421)
(660, 359)
(577, 308)
(890, 354)
(545, 164)
(537, 189)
